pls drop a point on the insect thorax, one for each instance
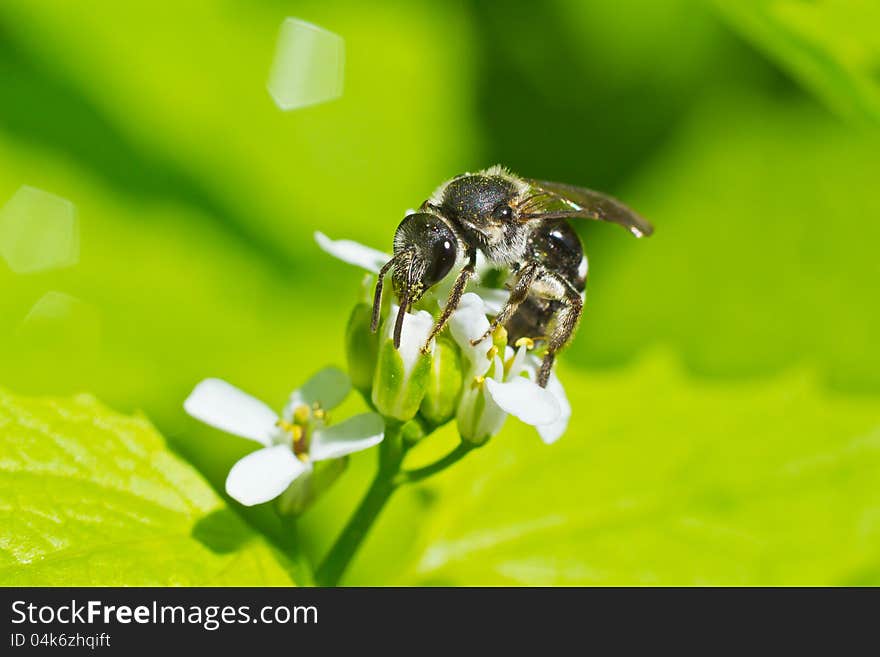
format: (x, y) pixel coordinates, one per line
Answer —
(471, 202)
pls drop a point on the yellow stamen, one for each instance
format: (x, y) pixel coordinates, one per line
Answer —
(320, 414)
(295, 430)
(492, 352)
(301, 414)
(528, 343)
(303, 457)
(478, 381)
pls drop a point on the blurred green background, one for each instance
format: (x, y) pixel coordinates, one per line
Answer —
(726, 376)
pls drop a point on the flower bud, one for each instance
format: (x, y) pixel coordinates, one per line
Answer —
(478, 417)
(443, 387)
(361, 348)
(401, 377)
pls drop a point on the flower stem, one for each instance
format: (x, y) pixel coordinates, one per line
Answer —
(391, 453)
(412, 476)
(388, 478)
(302, 568)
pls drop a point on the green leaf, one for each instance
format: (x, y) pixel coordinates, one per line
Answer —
(661, 480)
(90, 498)
(832, 46)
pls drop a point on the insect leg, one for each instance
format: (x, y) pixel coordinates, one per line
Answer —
(518, 294)
(566, 322)
(455, 295)
(377, 297)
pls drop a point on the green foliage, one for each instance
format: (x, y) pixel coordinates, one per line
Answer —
(191, 102)
(832, 46)
(191, 256)
(666, 481)
(90, 497)
(197, 198)
(765, 251)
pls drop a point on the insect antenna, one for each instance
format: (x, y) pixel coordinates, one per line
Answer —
(404, 305)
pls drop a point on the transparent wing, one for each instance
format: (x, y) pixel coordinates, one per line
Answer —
(552, 200)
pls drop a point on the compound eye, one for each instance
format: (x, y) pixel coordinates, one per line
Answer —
(503, 212)
(443, 255)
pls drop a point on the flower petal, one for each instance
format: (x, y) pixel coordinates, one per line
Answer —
(355, 434)
(469, 322)
(519, 364)
(525, 400)
(551, 432)
(222, 405)
(328, 388)
(493, 298)
(416, 329)
(353, 253)
(263, 475)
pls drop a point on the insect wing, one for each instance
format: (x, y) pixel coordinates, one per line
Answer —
(552, 200)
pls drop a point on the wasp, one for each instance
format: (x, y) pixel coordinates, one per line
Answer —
(521, 226)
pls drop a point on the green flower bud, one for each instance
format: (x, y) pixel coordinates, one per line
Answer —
(443, 387)
(398, 390)
(361, 348)
(478, 418)
(402, 374)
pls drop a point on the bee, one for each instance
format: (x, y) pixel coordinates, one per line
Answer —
(522, 227)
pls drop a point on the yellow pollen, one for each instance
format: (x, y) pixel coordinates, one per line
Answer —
(320, 414)
(301, 414)
(492, 352)
(295, 431)
(528, 343)
(303, 457)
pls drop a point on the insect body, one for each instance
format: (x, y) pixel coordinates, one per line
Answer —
(518, 224)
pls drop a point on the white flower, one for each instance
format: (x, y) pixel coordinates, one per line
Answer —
(372, 260)
(353, 253)
(292, 442)
(551, 432)
(495, 387)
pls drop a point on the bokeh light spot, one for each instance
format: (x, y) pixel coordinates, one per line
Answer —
(308, 66)
(61, 321)
(38, 232)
